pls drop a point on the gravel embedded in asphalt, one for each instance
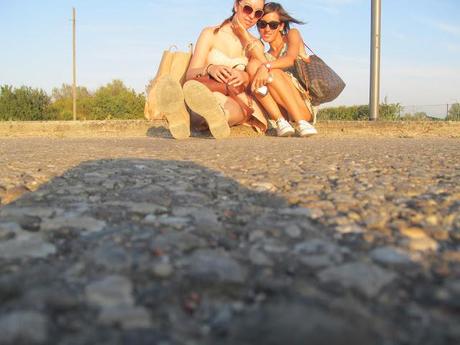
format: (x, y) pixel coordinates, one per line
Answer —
(149, 240)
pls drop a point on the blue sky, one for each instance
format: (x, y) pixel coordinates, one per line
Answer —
(125, 39)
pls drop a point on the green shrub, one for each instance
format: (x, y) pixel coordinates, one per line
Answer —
(418, 116)
(112, 101)
(388, 112)
(24, 104)
(116, 101)
(454, 113)
(63, 102)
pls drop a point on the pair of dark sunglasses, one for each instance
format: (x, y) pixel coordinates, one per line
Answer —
(247, 9)
(262, 24)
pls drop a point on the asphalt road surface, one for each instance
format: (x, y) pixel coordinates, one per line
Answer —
(240, 241)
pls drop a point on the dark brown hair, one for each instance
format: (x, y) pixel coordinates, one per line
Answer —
(285, 17)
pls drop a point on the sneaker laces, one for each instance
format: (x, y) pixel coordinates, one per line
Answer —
(281, 122)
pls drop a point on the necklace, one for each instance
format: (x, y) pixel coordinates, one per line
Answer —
(277, 50)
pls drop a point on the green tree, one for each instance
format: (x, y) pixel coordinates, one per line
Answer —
(63, 102)
(454, 113)
(24, 104)
(66, 92)
(116, 101)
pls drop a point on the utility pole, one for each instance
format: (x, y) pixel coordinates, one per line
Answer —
(374, 94)
(74, 88)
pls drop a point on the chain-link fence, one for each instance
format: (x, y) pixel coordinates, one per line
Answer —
(440, 111)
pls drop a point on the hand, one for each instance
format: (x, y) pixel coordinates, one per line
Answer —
(238, 78)
(260, 78)
(220, 73)
(306, 58)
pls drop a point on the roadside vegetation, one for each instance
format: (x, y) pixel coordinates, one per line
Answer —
(388, 112)
(454, 113)
(112, 101)
(117, 101)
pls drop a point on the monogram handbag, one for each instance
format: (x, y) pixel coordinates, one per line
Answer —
(323, 84)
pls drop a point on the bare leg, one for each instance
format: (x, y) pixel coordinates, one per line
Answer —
(298, 98)
(267, 101)
(286, 95)
(232, 110)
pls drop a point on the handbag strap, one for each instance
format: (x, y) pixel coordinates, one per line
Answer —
(309, 48)
(239, 64)
(175, 47)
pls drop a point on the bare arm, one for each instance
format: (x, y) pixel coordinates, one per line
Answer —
(200, 56)
(294, 43)
(254, 49)
(202, 48)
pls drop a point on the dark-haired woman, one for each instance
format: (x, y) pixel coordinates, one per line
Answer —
(219, 54)
(286, 45)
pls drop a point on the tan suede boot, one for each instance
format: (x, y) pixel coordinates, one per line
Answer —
(170, 103)
(202, 101)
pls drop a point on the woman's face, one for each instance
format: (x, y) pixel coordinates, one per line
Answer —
(270, 27)
(249, 12)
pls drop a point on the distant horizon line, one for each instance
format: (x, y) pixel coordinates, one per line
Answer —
(91, 89)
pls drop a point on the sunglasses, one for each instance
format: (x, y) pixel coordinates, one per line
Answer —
(247, 9)
(262, 24)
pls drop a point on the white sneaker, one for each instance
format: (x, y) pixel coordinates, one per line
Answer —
(284, 128)
(305, 129)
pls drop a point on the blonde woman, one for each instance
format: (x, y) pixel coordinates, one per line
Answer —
(219, 59)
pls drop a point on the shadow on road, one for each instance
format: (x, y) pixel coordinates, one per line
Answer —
(133, 251)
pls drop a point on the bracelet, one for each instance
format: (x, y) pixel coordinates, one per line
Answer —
(270, 78)
(207, 68)
(251, 45)
(250, 48)
(264, 65)
(248, 44)
(240, 64)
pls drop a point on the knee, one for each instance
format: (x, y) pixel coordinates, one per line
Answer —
(278, 76)
(277, 73)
